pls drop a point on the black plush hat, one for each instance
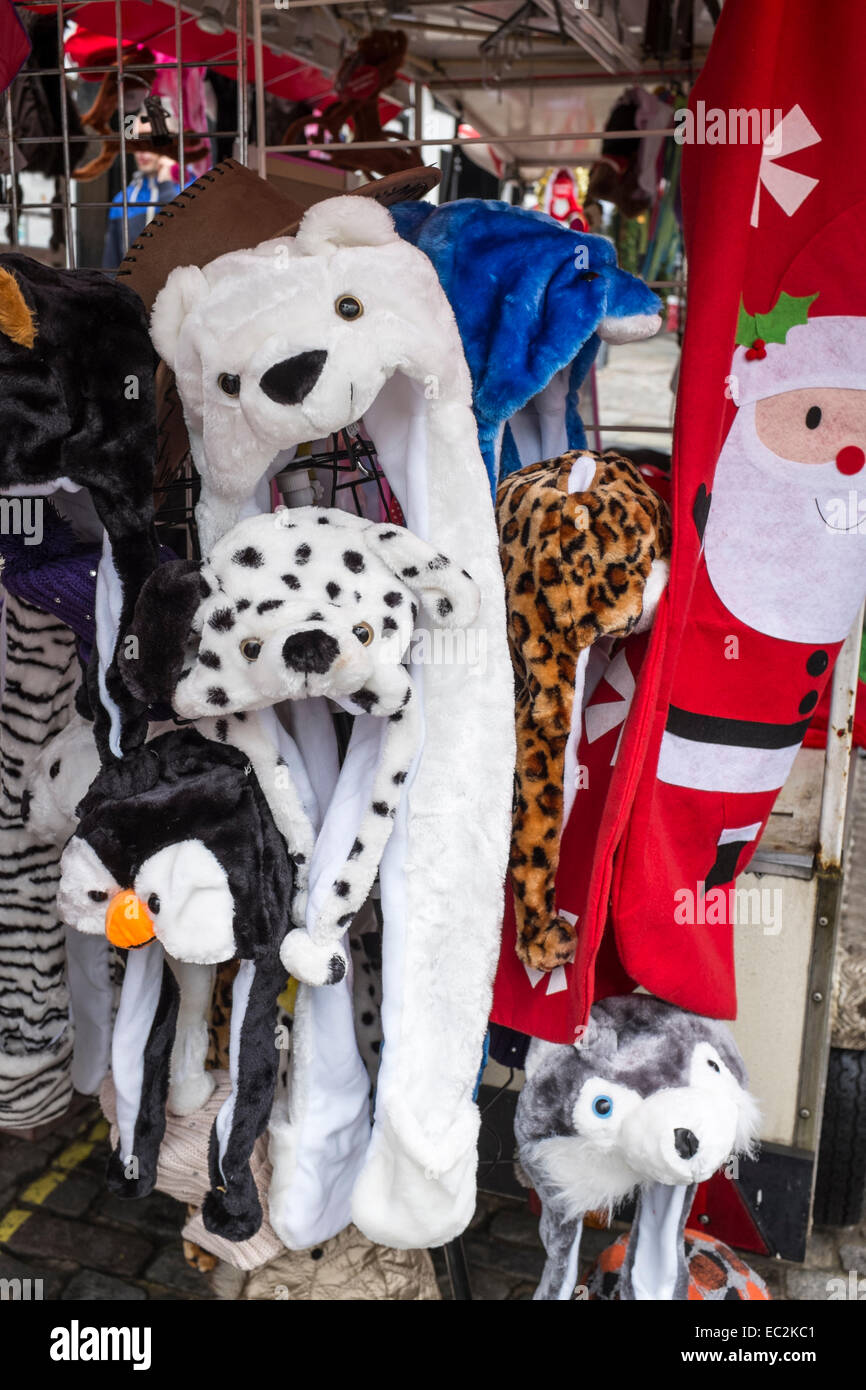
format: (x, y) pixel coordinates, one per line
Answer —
(77, 411)
(178, 859)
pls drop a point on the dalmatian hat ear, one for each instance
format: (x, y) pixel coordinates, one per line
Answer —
(152, 650)
(184, 288)
(448, 593)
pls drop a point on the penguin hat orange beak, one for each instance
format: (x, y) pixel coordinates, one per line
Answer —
(128, 923)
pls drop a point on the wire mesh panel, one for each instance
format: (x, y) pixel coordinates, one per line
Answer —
(100, 128)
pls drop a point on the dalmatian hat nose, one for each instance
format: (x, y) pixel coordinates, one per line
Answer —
(290, 381)
(311, 652)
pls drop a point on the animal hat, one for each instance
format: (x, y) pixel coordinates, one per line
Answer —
(308, 604)
(584, 543)
(77, 412)
(533, 301)
(274, 347)
(650, 1100)
(177, 859)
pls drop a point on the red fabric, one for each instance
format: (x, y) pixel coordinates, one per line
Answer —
(777, 56)
(816, 736)
(14, 44)
(658, 837)
(549, 1006)
(154, 24)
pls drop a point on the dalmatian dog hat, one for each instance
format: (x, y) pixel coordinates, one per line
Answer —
(305, 604)
(650, 1100)
(301, 606)
(277, 346)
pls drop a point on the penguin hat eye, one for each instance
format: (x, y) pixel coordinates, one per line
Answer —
(154, 903)
(251, 648)
(229, 383)
(364, 633)
(349, 307)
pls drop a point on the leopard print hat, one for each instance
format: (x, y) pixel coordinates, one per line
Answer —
(578, 537)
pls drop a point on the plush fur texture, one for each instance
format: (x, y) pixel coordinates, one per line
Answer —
(309, 603)
(401, 365)
(532, 300)
(41, 674)
(57, 780)
(77, 410)
(264, 359)
(17, 318)
(576, 566)
(650, 1098)
(183, 822)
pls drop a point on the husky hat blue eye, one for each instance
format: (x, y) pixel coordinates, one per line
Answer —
(603, 1107)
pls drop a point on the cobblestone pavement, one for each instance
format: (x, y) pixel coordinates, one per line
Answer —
(58, 1224)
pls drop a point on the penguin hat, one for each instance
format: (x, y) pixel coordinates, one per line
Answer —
(178, 860)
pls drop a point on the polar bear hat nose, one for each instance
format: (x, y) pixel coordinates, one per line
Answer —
(290, 381)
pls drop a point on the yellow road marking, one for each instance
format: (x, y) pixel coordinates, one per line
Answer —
(56, 1173)
(11, 1221)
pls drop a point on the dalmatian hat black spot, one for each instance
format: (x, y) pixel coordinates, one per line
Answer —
(308, 603)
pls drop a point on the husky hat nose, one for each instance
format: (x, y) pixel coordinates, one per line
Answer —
(686, 1143)
(289, 381)
(311, 652)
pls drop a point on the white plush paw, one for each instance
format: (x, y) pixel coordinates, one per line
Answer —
(190, 1094)
(312, 962)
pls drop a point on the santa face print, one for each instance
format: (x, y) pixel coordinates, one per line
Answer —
(785, 550)
(815, 425)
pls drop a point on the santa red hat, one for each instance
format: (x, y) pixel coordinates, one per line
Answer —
(806, 338)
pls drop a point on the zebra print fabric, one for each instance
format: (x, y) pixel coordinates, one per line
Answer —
(41, 676)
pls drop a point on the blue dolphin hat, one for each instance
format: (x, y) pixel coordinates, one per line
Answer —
(532, 300)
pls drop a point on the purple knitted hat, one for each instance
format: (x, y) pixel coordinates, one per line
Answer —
(58, 575)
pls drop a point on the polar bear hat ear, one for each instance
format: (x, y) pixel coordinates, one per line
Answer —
(336, 223)
(185, 287)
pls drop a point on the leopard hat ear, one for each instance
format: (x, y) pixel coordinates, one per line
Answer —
(17, 319)
(151, 652)
(449, 594)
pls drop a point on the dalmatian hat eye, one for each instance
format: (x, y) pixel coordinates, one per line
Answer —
(304, 603)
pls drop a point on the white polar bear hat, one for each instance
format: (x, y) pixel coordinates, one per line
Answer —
(276, 347)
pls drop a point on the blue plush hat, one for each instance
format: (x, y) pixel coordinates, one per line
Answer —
(532, 301)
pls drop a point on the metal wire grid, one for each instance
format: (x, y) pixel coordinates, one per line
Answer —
(65, 12)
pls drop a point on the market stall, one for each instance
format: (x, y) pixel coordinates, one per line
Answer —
(433, 600)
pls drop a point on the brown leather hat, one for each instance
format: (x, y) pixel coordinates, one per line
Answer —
(229, 208)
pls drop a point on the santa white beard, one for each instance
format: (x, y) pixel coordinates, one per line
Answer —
(773, 560)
